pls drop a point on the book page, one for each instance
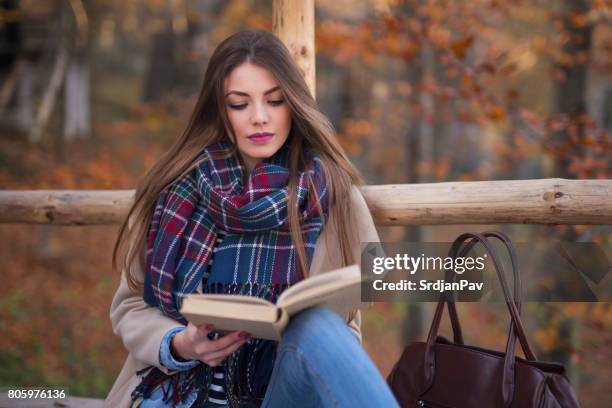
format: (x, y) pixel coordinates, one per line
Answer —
(340, 290)
(349, 273)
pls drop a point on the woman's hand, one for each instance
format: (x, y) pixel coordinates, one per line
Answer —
(193, 344)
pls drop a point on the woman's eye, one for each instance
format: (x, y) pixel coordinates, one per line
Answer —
(275, 102)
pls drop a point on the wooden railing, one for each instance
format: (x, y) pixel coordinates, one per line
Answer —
(543, 201)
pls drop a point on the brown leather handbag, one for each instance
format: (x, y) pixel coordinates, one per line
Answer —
(439, 373)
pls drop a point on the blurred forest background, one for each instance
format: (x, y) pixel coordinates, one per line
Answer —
(91, 93)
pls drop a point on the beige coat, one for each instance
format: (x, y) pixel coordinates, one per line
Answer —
(142, 327)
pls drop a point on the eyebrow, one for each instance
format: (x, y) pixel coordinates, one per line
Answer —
(276, 88)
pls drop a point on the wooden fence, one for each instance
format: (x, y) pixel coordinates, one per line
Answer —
(542, 201)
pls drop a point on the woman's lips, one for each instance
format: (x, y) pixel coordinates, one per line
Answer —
(260, 137)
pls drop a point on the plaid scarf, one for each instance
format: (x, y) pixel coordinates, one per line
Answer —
(256, 257)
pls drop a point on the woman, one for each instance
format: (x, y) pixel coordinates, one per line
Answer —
(255, 195)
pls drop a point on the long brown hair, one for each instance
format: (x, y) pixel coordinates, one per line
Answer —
(208, 123)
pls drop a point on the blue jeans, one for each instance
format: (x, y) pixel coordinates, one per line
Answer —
(320, 363)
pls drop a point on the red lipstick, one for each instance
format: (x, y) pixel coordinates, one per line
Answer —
(260, 137)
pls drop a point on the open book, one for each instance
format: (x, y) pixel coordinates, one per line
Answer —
(339, 290)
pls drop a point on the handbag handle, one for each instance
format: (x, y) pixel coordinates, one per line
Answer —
(518, 294)
(508, 391)
(518, 290)
(516, 326)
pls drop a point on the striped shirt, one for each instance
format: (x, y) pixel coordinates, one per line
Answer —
(216, 392)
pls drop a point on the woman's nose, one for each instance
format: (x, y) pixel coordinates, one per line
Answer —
(260, 115)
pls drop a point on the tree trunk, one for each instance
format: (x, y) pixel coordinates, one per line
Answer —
(161, 76)
(56, 80)
(413, 325)
(570, 100)
(24, 111)
(77, 124)
(570, 93)
(50, 95)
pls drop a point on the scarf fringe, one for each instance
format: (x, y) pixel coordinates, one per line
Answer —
(248, 372)
(175, 387)
(269, 292)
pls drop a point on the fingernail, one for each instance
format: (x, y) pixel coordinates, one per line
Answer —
(244, 335)
(209, 327)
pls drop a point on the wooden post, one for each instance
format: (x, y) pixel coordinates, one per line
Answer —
(293, 22)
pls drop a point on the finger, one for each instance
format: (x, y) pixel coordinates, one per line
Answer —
(214, 363)
(214, 346)
(228, 339)
(201, 332)
(222, 353)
